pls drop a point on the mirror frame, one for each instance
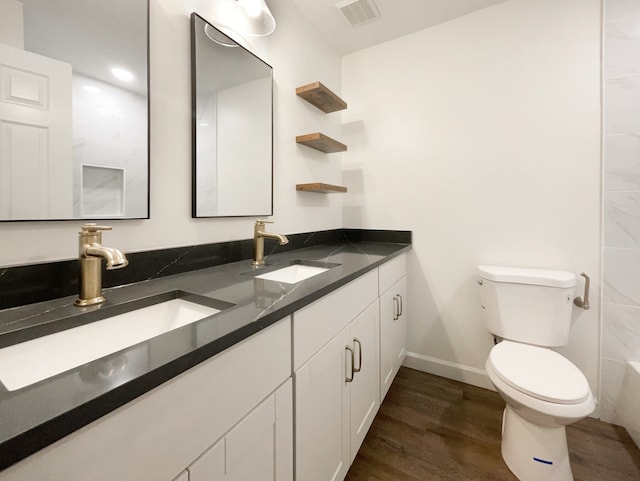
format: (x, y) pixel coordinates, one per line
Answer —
(194, 141)
(147, 83)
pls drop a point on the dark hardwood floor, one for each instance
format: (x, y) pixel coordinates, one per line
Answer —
(431, 428)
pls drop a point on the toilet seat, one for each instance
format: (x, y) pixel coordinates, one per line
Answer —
(539, 372)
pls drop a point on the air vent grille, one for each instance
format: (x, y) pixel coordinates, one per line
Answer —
(357, 12)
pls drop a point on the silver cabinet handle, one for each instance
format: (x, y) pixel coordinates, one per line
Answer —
(347, 378)
(396, 308)
(584, 302)
(359, 368)
(401, 306)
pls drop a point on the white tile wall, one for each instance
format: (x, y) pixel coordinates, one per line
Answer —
(622, 97)
(622, 154)
(623, 47)
(621, 336)
(629, 401)
(620, 9)
(621, 197)
(613, 373)
(622, 218)
(621, 271)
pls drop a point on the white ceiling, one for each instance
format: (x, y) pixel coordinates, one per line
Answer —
(397, 18)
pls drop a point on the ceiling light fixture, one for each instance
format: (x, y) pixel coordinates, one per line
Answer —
(246, 17)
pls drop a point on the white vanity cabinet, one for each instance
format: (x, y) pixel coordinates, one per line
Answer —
(336, 378)
(232, 418)
(393, 319)
(239, 399)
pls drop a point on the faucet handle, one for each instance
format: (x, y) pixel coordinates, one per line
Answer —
(93, 227)
(262, 221)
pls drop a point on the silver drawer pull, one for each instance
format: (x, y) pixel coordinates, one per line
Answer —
(401, 306)
(396, 308)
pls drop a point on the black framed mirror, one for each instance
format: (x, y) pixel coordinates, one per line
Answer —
(74, 110)
(232, 126)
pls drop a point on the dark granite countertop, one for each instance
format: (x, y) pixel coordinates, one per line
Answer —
(40, 414)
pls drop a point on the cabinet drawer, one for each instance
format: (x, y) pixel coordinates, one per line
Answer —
(157, 435)
(315, 324)
(391, 272)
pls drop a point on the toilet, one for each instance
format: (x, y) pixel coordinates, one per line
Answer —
(529, 312)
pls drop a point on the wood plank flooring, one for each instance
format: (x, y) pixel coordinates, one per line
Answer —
(434, 429)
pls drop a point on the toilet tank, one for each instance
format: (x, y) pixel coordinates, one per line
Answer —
(527, 305)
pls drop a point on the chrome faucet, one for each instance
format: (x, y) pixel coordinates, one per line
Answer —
(91, 253)
(258, 241)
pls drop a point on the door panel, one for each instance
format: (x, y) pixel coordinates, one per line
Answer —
(35, 136)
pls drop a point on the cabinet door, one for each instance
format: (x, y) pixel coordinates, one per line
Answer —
(322, 436)
(393, 333)
(258, 448)
(184, 476)
(210, 466)
(365, 387)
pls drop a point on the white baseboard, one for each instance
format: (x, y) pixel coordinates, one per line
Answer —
(450, 370)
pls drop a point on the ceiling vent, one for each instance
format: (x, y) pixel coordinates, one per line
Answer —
(358, 12)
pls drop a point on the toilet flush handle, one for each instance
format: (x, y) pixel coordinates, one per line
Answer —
(584, 302)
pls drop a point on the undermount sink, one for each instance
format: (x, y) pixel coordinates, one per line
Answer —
(37, 359)
(293, 274)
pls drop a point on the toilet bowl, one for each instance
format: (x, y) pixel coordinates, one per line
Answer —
(544, 392)
(530, 309)
(539, 384)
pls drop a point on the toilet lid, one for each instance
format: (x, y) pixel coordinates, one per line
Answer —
(539, 372)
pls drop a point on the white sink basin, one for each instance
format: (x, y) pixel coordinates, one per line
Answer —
(29, 362)
(293, 274)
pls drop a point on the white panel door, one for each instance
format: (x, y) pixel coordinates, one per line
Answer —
(321, 413)
(365, 387)
(36, 165)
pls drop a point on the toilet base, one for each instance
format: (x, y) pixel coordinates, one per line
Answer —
(534, 452)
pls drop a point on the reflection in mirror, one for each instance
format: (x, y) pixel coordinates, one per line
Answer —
(232, 126)
(73, 109)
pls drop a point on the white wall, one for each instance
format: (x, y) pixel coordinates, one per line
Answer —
(298, 57)
(482, 135)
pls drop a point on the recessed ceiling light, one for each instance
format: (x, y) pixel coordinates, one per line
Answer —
(122, 74)
(91, 89)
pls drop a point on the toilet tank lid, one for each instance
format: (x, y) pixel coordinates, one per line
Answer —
(526, 275)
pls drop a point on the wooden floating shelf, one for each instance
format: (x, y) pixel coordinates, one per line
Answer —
(320, 188)
(321, 142)
(321, 97)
